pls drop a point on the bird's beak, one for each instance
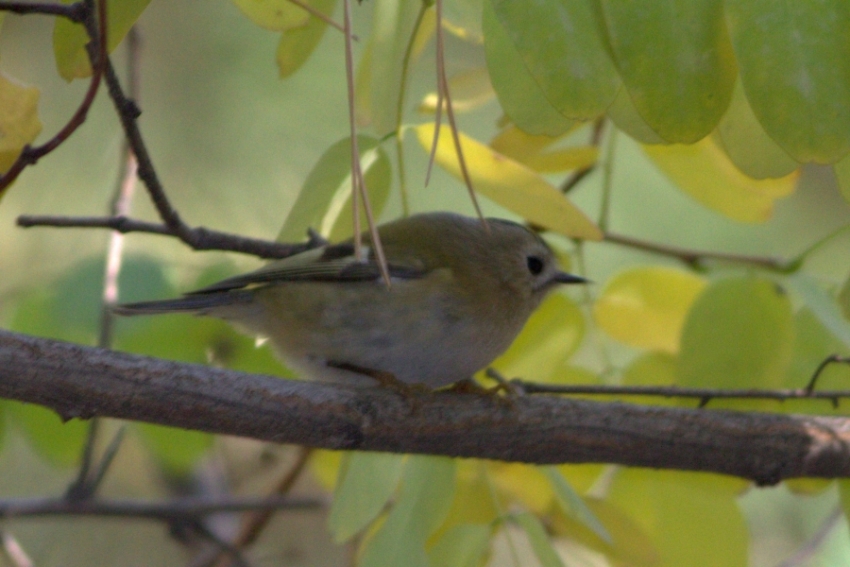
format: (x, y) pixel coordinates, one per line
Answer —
(565, 278)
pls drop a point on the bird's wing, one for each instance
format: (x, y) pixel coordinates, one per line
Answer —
(335, 263)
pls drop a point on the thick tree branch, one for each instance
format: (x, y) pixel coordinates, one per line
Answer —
(84, 382)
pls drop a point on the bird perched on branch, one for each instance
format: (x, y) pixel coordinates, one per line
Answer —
(460, 291)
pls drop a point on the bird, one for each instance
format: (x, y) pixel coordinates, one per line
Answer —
(460, 290)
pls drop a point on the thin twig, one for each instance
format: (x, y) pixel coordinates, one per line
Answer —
(399, 117)
(75, 12)
(14, 551)
(443, 86)
(595, 139)
(256, 522)
(679, 392)
(324, 17)
(358, 182)
(833, 359)
(98, 56)
(695, 258)
(169, 510)
(203, 238)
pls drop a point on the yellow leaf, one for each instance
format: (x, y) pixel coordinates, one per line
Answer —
(19, 123)
(511, 185)
(703, 171)
(646, 307)
(274, 15)
(469, 90)
(528, 150)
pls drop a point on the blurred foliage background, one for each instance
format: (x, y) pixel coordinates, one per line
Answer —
(235, 144)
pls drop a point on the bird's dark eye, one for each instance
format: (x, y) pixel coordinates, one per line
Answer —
(535, 264)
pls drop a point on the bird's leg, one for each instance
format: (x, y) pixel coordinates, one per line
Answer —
(386, 379)
(470, 386)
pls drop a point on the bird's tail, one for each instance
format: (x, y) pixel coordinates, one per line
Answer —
(193, 303)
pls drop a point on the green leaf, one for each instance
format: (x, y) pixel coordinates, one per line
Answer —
(518, 92)
(813, 343)
(510, 184)
(747, 144)
(426, 495)
(794, 59)
(70, 39)
(676, 61)
(19, 123)
(366, 482)
(60, 442)
(274, 15)
(461, 546)
(624, 115)
(539, 539)
(178, 450)
(822, 304)
(552, 333)
(739, 334)
(298, 43)
(563, 48)
(573, 504)
(324, 203)
(646, 307)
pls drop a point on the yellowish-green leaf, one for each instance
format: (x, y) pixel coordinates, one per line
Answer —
(462, 546)
(366, 483)
(324, 203)
(274, 15)
(552, 333)
(842, 174)
(573, 504)
(470, 90)
(631, 545)
(298, 42)
(511, 185)
(747, 144)
(681, 80)
(539, 540)
(426, 495)
(698, 509)
(794, 60)
(704, 172)
(519, 94)
(563, 48)
(19, 123)
(325, 466)
(474, 502)
(844, 299)
(70, 39)
(646, 307)
(738, 334)
(523, 483)
(625, 116)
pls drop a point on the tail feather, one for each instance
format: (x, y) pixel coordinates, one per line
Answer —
(186, 304)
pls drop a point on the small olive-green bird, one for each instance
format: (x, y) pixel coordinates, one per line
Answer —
(460, 293)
